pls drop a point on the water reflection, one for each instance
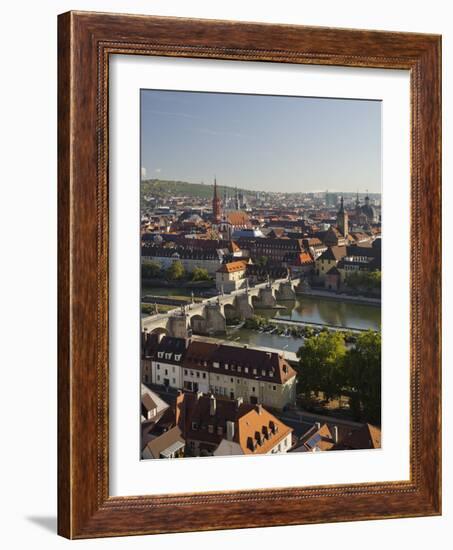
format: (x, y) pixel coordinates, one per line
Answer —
(313, 309)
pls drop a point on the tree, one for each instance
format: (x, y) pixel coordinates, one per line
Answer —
(150, 269)
(176, 271)
(368, 280)
(362, 377)
(262, 261)
(200, 274)
(320, 364)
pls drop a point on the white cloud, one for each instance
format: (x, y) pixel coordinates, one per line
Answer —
(143, 172)
(158, 170)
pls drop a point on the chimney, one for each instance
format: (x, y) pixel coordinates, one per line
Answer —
(230, 430)
(212, 405)
(238, 401)
(318, 425)
(335, 434)
(259, 408)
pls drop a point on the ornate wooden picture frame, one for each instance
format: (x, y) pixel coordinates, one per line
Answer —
(86, 40)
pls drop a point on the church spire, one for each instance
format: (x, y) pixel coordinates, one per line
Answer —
(216, 208)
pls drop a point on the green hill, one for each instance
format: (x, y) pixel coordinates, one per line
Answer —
(162, 188)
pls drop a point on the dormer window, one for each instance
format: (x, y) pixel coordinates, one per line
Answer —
(194, 426)
(160, 354)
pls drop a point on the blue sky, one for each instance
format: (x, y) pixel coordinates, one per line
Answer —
(258, 142)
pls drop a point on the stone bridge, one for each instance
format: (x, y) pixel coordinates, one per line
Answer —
(209, 316)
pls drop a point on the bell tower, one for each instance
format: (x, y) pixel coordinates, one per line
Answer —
(216, 204)
(343, 220)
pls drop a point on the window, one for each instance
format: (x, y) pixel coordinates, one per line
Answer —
(198, 374)
(254, 371)
(204, 375)
(158, 366)
(263, 373)
(253, 389)
(185, 371)
(246, 369)
(158, 378)
(173, 369)
(173, 380)
(194, 426)
(226, 366)
(211, 429)
(166, 372)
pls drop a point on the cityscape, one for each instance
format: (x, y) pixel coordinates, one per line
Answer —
(260, 298)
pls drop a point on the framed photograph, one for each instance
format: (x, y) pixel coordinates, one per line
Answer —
(249, 275)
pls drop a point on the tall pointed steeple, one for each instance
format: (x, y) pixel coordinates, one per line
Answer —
(343, 219)
(216, 204)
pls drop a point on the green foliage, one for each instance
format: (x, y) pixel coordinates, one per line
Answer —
(362, 377)
(368, 280)
(171, 188)
(326, 365)
(255, 322)
(200, 274)
(151, 269)
(176, 271)
(321, 362)
(262, 261)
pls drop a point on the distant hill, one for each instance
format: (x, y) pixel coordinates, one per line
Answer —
(161, 188)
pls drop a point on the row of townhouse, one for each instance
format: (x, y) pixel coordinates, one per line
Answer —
(255, 376)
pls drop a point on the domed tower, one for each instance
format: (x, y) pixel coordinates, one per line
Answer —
(343, 220)
(216, 205)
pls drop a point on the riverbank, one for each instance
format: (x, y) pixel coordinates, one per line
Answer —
(341, 297)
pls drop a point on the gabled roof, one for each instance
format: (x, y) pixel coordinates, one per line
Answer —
(237, 217)
(256, 430)
(170, 440)
(232, 267)
(366, 437)
(333, 271)
(334, 253)
(304, 259)
(240, 362)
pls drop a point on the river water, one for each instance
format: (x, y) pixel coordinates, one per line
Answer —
(309, 309)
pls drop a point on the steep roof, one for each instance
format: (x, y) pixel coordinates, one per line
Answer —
(366, 437)
(237, 217)
(170, 440)
(232, 267)
(334, 253)
(304, 259)
(256, 430)
(236, 361)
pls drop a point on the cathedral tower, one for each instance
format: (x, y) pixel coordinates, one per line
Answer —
(216, 205)
(343, 220)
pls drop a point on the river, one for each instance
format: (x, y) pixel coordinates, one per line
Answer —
(309, 309)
